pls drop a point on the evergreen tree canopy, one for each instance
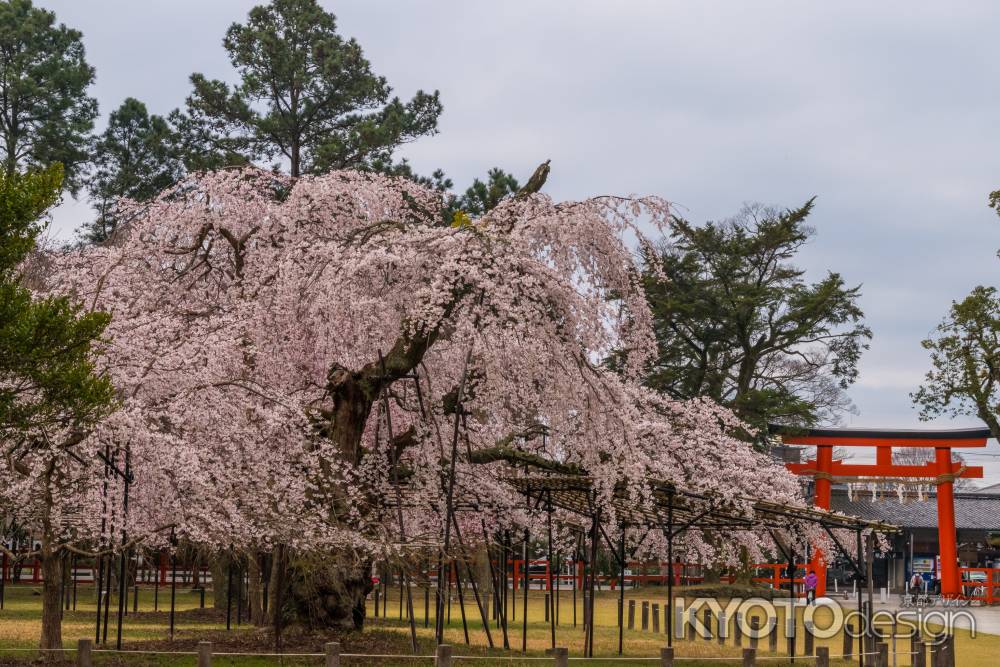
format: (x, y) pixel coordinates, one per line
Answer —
(481, 197)
(305, 95)
(45, 113)
(736, 321)
(134, 158)
(23, 201)
(49, 390)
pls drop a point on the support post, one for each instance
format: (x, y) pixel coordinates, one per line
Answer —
(461, 599)
(99, 575)
(559, 565)
(790, 623)
(670, 566)
(881, 654)
(561, 656)
(667, 656)
(278, 612)
(173, 581)
(442, 657)
(204, 654)
(524, 608)
(824, 466)
(848, 641)
(332, 654)
(83, 655)
(594, 537)
(749, 657)
(399, 502)
(229, 593)
(859, 579)
(947, 538)
(123, 571)
(480, 605)
(73, 570)
(503, 592)
(239, 595)
(870, 581)
(157, 575)
(550, 605)
(822, 656)
(511, 593)
(576, 579)
(135, 589)
(621, 592)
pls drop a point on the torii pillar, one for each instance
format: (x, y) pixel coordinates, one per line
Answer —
(941, 469)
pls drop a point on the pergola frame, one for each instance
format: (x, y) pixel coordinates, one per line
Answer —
(675, 511)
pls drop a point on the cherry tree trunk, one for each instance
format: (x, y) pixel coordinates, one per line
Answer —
(326, 592)
(255, 589)
(275, 582)
(52, 572)
(329, 590)
(220, 569)
(744, 574)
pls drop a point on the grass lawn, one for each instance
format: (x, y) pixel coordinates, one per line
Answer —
(148, 631)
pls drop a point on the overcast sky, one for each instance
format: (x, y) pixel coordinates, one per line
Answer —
(888, 112)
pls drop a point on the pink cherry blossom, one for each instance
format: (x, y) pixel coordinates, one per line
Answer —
(241, 299)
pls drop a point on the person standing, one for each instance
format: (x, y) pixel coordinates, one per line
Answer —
(811, 582)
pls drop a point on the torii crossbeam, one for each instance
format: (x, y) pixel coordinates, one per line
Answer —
(942, 471)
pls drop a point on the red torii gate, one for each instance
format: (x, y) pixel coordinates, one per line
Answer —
(942, 470)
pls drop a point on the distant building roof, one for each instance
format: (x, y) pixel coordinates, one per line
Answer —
(881, 433)
(993, 490)
(973, 511)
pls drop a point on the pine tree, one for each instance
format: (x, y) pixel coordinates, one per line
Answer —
(45, 113)
(306, 96)
(134, 158)
(735, 320)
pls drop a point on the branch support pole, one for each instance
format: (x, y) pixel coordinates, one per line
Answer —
(450, 494)
(399, 515)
